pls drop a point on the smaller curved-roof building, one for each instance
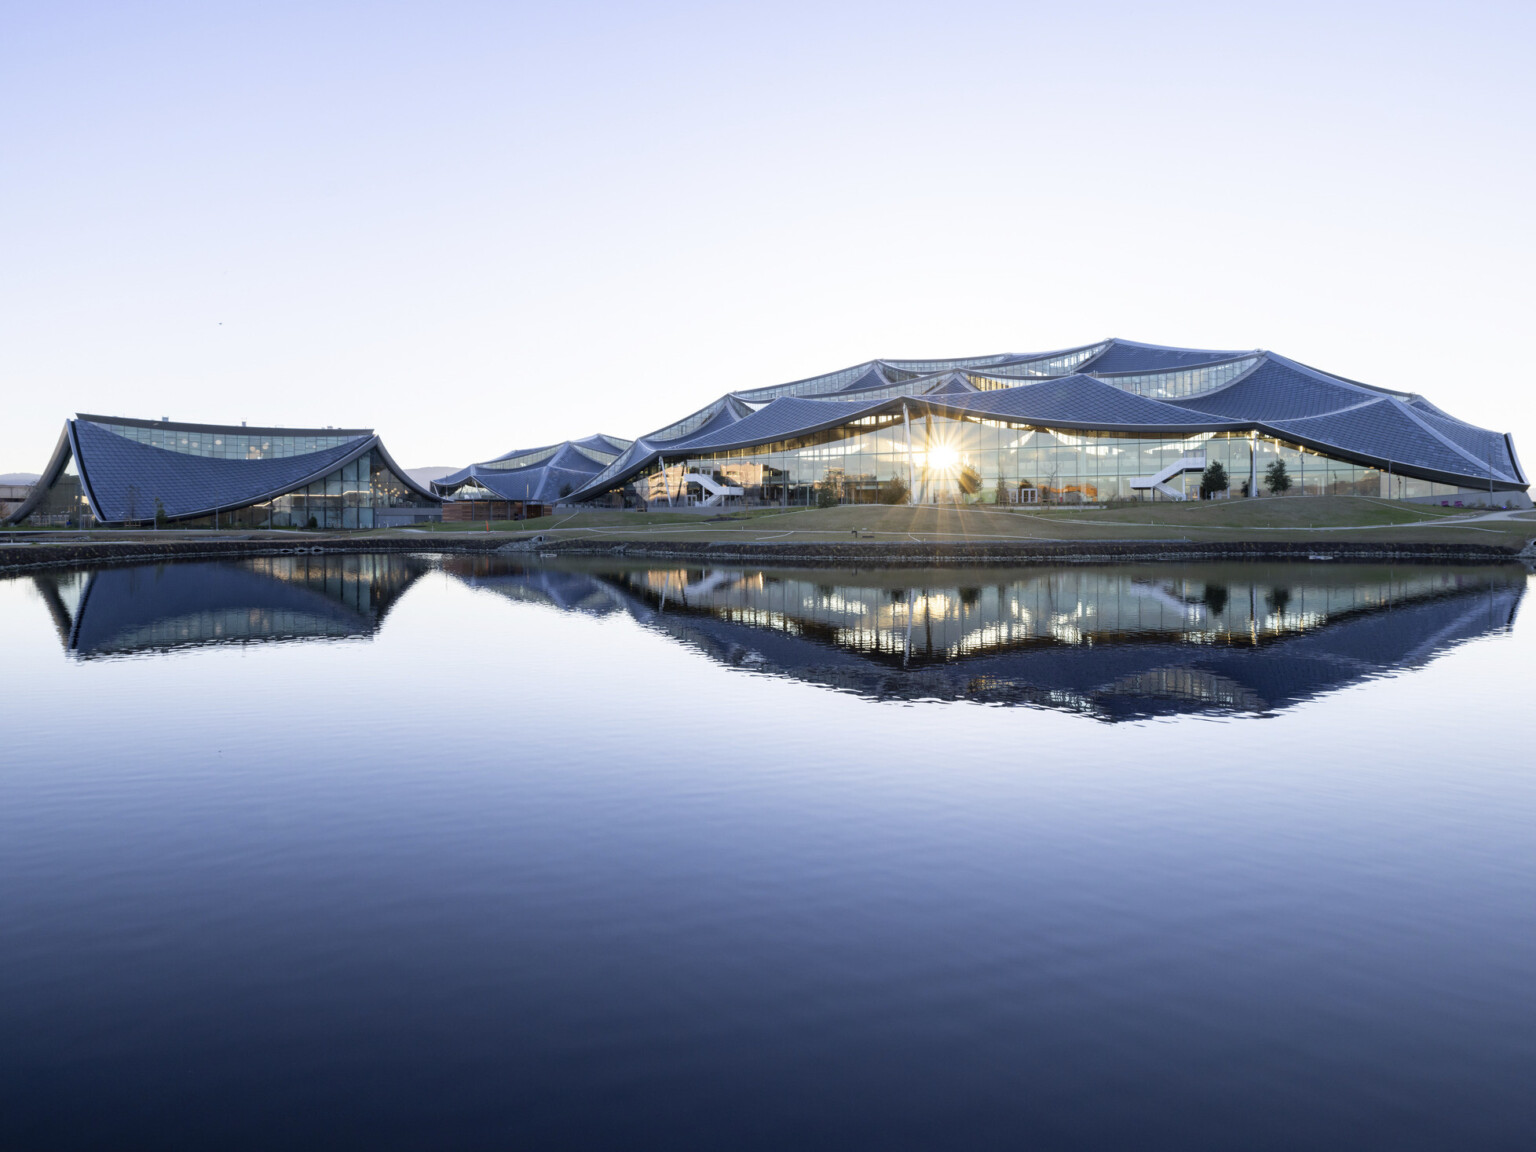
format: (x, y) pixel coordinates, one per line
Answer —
(542, 475)
(121, 471)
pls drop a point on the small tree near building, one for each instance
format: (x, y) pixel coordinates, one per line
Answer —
(1213, 480)
(893, 491)
(160, 517)
(1277, 479)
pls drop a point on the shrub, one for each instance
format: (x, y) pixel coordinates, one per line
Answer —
(894, 491)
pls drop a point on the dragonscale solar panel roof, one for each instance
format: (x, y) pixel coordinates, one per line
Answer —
(1113, 385)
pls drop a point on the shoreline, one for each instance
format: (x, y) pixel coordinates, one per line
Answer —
(25, 557)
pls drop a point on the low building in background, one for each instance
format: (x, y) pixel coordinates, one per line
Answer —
(526, 482)
(116, 471)
(1116, 420)
(15, 487)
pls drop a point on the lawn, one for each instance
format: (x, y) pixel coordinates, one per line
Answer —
(1323, 518)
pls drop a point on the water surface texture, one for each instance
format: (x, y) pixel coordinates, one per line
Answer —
(432, 852)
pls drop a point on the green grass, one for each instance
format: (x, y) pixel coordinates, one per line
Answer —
(1321, 518)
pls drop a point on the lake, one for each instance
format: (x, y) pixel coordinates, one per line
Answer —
(408, 852)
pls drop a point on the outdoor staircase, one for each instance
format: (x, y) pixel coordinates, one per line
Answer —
(717, 491)
(1160, 481)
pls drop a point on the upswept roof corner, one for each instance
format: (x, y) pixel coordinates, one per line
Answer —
(63, 452)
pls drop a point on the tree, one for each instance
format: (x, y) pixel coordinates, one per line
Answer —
(894, 491)
(160, 517)
(828, 492)
(565, 489)
(969, 480)
(1213, 480)
(1277, 479)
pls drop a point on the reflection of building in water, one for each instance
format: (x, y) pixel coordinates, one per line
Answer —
(553, 587)
(1110, 641)
(112, 611)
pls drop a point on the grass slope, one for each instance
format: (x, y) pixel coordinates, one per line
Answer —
(1321, 518)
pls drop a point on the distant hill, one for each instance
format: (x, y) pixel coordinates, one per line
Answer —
(18, 478)
(425, 476)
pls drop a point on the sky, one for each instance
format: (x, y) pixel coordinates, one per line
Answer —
(480, 227)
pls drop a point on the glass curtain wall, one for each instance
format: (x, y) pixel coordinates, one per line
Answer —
(228, 444)
(347, 498)
(978, 461)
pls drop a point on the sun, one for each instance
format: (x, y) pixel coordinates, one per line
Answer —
(943, 458)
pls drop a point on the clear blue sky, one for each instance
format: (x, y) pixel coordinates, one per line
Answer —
(481, 226)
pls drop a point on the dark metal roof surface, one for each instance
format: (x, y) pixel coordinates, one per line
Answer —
(126, 477)
(1277, 390)
(781, 419)
(1384, 429)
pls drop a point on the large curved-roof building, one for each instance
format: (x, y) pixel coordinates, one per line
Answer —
(115, 470)
(1112, 420)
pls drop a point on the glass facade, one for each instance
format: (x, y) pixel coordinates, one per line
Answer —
(526, 460)
(1183, 382)
(831, 382)
(976, 461)
(690, 424)
(1061, 365)
(595, 456)
(349, 497)
(1168, 385)
(231, 444)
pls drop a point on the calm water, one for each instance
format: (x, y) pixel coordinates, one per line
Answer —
(399, 852)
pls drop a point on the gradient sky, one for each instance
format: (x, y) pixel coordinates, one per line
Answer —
(476, 227)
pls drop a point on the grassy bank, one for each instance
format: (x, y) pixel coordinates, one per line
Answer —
(1322, 518)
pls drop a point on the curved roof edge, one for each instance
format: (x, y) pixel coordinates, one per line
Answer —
(1370, 460)
(63, 451)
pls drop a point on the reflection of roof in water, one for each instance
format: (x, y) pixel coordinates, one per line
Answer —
(115, 611)
(556, 588)
(1114, 642)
